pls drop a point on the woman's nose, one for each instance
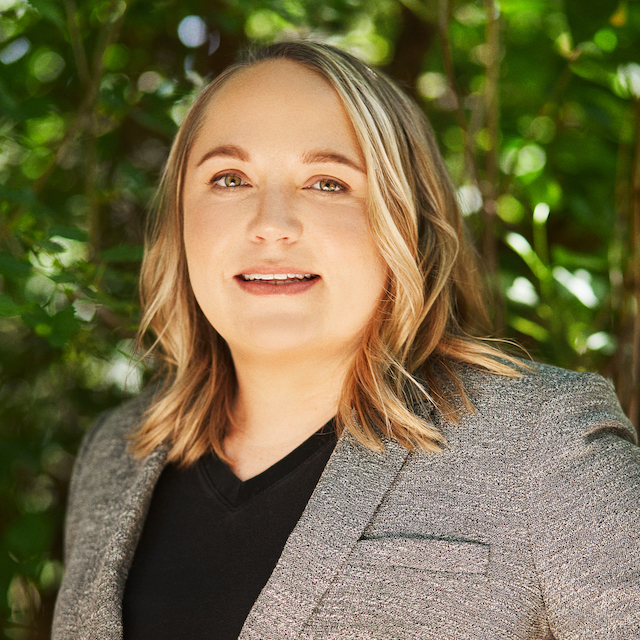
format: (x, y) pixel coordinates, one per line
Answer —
(275, 219)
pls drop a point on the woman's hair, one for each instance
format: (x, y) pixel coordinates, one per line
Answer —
(422, 335)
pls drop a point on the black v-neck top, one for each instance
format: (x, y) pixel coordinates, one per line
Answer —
(210, 543)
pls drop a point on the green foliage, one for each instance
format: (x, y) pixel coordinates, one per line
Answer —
(536, 108)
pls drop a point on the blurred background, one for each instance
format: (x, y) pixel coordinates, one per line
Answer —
(535, 103)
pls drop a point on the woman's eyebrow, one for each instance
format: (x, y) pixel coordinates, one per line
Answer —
(228, 150)
(312, 157)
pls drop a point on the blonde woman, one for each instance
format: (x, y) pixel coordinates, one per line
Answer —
(333, 452)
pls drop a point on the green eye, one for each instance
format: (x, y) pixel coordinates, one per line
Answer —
(329, 185)
(227, 181)
(232, 181)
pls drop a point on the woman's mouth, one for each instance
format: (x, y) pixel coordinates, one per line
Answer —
(277, 278)
(289, 282)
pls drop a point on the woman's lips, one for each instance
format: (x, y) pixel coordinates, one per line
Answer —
(278, 283)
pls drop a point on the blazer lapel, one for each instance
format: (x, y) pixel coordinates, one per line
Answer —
(346, 497)
(101, 612)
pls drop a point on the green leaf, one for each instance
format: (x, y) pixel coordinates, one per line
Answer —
(63, 325)
(122, 253)
(12, 267)
(161, 124)
(529, 328)
(73, 233)
(20, 196)
(51, 246)
(8, 307)
(49, 11)
(8, 104)
(56, 329)
(578, 260)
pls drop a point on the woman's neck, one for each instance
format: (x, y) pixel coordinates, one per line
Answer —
(280, 403)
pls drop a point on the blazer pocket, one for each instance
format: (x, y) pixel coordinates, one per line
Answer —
(426, 554)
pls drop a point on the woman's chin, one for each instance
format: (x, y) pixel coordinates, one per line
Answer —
(277, 341)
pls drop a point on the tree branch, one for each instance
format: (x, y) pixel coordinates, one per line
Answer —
(634, 404)
(443, 24)
(492, 107)
(78, 50)
(489, 187)
(426, 12)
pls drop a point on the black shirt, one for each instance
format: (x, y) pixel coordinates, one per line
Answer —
(210, 543)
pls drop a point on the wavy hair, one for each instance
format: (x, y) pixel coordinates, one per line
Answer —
(426, 329)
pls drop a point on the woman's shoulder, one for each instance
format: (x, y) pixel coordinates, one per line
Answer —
(530, 376)
(560, 403)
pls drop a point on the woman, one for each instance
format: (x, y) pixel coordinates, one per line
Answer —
(309, 280)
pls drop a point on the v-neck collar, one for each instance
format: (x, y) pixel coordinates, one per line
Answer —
(237, 492)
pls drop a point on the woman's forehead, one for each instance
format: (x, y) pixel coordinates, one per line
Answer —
(270, 80)
(275, 101)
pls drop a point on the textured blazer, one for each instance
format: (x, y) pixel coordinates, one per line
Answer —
(526, 526)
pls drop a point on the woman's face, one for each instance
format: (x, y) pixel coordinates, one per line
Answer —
(280, 256)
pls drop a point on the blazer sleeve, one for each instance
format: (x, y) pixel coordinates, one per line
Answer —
(584, 510)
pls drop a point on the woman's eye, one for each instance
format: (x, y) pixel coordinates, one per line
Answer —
(326, 184)
(228, 181)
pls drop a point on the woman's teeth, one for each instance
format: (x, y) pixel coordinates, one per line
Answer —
(277, 278)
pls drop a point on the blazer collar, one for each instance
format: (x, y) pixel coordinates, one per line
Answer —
(346, 497)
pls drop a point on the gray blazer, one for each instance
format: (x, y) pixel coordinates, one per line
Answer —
(527, 526)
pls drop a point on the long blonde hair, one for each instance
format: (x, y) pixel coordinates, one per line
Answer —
(425, 330)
